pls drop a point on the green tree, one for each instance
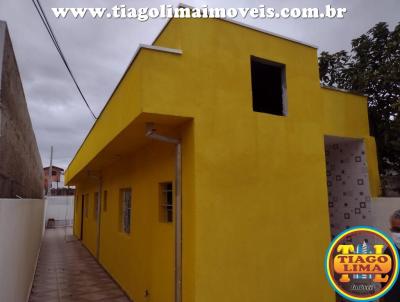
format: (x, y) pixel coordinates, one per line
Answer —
(372, 68)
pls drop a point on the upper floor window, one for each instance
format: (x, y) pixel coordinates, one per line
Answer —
(268, 81)
(166, 202)
(125, 210)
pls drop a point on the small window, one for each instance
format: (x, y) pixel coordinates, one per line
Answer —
(125, 210)
(96, 205)
(166, 202)
(268, 81)
(105, 201)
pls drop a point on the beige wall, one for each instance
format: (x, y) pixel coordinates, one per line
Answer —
(21, 230)
(382, 209)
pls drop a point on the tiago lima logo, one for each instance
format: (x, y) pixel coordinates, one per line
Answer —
(362, 264)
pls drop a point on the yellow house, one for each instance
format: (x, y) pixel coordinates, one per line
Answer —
(230, 125)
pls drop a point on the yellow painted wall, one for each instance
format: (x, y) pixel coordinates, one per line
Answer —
(112, 120)
(87, 189)
(346, 115)
(142, 260)
(261, 199)
(77, 215)
(255, 199)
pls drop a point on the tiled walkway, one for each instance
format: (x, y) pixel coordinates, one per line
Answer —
(67, 272)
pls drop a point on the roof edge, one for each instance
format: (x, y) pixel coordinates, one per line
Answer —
(140, 47)
(255, 28)
(343, 90)
(162, 49)
(178, 51)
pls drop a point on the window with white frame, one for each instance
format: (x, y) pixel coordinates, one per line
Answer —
(126, 206)
(166, 202)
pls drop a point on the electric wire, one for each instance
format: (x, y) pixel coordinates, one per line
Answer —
(50, 31)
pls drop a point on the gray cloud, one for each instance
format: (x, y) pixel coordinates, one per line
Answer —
(99, 51)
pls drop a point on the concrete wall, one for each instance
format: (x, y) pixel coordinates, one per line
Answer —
(21, 230)
(60, 208)
(382, 209)
(20, 166)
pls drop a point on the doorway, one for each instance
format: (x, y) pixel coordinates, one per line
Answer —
(349, 198)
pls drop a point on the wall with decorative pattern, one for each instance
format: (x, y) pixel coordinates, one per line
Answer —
(348, 186)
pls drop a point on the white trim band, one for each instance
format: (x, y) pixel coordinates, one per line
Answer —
(162, 49)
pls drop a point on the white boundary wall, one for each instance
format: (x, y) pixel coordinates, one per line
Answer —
(21, 232)
(60, 208)
(382, 208)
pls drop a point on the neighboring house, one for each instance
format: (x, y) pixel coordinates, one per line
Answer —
(57, 182)
(254, 126)
(20, 164)
(56, 173)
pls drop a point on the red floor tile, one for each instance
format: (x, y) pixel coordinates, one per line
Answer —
(67, 272)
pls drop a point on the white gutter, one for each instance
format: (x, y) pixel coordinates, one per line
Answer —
(161, 49)
(151, 133)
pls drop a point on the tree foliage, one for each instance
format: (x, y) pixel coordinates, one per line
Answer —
(372, 68)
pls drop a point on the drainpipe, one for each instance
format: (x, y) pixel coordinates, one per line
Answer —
(151, 133)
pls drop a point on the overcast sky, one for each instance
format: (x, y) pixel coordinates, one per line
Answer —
(99, 51)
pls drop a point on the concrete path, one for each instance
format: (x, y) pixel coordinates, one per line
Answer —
(67, 272)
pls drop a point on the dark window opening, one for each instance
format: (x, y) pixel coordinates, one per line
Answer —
(166, 202)
(268, 86)
(96, 205)
(86, 205)
(125, 210)
(105, 201)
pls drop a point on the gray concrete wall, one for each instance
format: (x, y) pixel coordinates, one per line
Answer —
(21, 172)
(382, 208)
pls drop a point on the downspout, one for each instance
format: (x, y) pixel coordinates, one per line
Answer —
(151, 133)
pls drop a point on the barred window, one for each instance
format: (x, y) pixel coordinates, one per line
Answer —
(125, 206)
(166, 202)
